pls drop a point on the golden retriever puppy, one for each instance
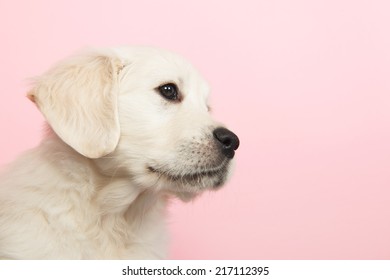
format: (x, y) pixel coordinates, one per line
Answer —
(127, 128)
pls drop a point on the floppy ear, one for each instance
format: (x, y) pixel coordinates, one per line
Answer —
(78, 98)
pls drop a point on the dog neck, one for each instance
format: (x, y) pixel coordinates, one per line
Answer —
(113, 191)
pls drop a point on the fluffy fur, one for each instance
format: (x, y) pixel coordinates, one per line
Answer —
(114, 152)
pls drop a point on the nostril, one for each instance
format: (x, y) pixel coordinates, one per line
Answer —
(228, 139)
(227, 142)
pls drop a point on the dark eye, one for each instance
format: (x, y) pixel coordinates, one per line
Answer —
(169, 91)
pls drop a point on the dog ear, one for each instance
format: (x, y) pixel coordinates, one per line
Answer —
(78, 98)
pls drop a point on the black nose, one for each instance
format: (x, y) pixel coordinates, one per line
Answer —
(228, 139)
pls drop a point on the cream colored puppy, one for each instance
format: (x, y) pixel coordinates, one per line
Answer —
(127, 129)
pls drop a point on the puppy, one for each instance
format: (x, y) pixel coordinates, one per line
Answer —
(127, 128)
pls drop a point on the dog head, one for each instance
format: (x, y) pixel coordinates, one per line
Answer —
(140, 113)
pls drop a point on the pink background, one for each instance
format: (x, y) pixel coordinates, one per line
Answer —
(305, 84)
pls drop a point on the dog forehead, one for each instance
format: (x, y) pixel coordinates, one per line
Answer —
(163, 66)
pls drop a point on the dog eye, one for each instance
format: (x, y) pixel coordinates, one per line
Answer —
(169, 91)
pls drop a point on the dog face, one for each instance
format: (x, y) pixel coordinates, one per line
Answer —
(140, 113)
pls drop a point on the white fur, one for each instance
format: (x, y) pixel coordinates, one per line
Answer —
(114, 152)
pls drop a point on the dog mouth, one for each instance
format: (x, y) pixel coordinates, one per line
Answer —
(208, 177)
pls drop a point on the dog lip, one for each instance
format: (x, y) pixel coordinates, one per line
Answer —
(191, 176)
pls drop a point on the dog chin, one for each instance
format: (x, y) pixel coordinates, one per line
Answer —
(188, 184)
